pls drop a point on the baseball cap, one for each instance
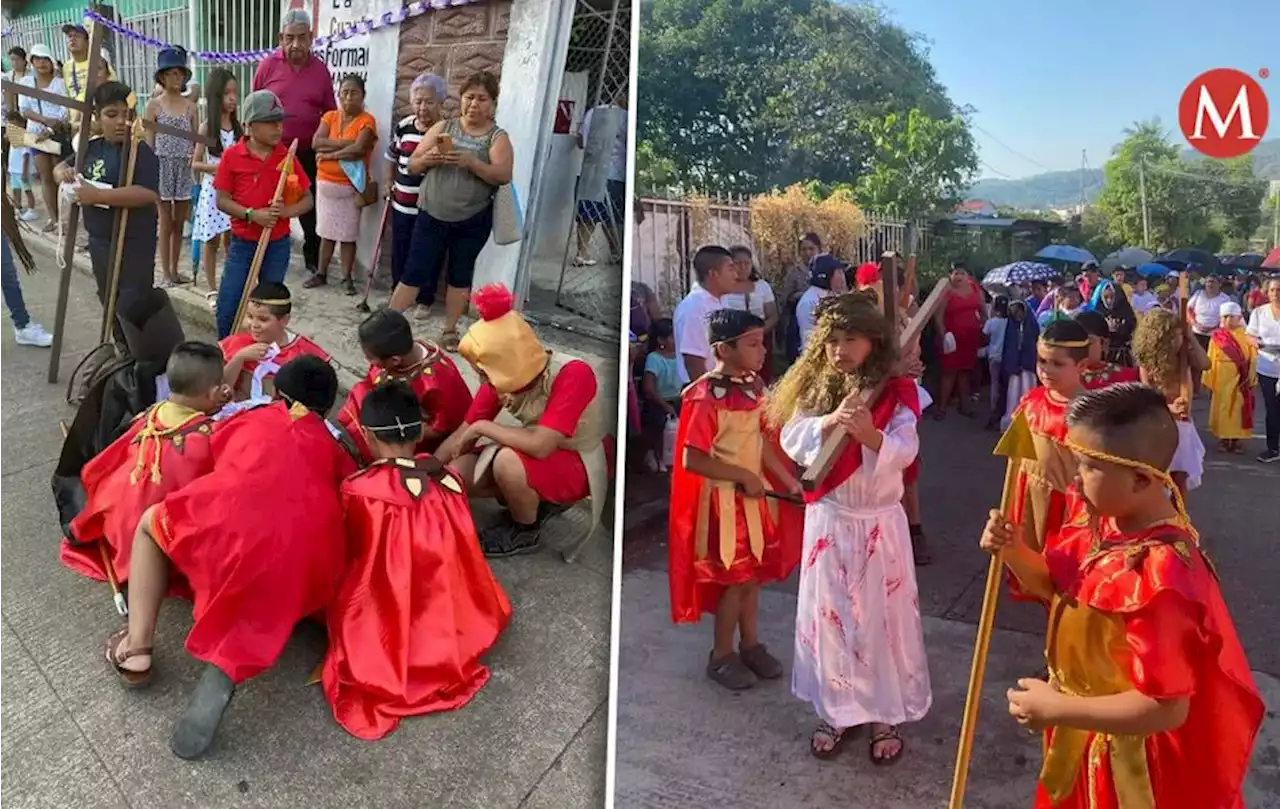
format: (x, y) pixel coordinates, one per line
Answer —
(261, 107)
(40, 51)
(75, 27)
(822, 267)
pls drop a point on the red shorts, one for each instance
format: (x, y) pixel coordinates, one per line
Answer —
(912, 473)
(561, 477)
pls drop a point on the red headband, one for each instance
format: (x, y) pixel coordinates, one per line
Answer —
(867, 274)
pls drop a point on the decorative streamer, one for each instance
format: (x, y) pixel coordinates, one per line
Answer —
(364, 26)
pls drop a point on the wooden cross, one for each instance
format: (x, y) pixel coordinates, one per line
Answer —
(85, 108)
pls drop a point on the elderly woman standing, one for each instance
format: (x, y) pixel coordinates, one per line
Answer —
(42, 117)
(426, 96)
(465, 160)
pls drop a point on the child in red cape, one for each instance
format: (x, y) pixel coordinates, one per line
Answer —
(1150, 700)
(252, 578)
(419, 605)
(725, 538)
(1097, 372)
(393, 354)
(859, 637)
(165, 448)
(254, 355)
(1061, 354)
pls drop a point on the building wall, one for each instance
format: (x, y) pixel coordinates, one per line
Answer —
(454, 44)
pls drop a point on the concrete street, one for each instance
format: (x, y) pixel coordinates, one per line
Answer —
(683, 741)
(534, 737)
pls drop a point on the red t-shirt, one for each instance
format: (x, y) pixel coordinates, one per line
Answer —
(571, 391)
(252, 182)
(297, 347)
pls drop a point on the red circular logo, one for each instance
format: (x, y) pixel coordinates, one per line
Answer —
(1223, 113)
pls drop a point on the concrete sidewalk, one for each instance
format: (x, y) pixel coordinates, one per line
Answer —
(534, 737)
(683, 741)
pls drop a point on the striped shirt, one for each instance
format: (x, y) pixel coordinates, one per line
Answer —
(405, 191)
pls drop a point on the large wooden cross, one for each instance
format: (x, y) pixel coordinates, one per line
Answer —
(85, 108)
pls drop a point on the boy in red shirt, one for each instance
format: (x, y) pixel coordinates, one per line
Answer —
(246, 184)
(393, 354)
(1149, 700)
(253, 356)
(1097, 372)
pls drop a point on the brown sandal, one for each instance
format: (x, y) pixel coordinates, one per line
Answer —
(128, 678)
(837, 737)
(449, 340)
(890, 735)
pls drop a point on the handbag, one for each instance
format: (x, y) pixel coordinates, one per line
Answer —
(508, 219)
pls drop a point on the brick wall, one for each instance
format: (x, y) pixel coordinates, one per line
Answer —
(453, 44)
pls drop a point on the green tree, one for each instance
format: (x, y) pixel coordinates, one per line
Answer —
(655, 175)
(748, 95)
(918, 164)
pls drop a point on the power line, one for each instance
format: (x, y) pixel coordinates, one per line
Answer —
(1190, 176)
(1009, 148)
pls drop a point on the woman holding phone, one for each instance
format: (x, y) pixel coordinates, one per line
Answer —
(464, 160)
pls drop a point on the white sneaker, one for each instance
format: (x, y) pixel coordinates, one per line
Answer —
(29, 215)
(33, 334)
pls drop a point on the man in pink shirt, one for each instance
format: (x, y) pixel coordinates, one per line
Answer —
(302, 83)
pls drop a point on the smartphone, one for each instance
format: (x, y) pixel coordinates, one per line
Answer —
(444, 144)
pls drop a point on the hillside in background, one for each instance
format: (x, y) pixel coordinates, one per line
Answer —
(1058, 189)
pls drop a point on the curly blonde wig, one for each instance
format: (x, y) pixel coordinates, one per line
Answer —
(1157, 348)
(813, 384)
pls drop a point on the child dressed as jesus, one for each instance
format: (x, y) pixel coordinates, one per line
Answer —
(859, 653)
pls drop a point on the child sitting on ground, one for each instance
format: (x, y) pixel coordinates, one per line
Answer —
(166, 448)
(394, 354)
(137, 300)
(661, 387)
(1168, 357)
(858, 569)
(253, 356)
(1231, 378)
(1149, 692)
(419, 606)
(246, 182)
(725, 538)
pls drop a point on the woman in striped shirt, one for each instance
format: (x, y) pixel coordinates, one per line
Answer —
(426, 95)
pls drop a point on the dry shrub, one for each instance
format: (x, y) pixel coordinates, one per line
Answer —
(779, 220)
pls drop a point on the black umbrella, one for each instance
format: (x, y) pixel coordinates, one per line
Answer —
(1189, 258)
(1245, 262)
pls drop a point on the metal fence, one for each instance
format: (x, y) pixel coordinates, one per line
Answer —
(589, 282)
(667, 232)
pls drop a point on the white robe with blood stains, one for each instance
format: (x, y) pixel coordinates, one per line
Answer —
(859, 650)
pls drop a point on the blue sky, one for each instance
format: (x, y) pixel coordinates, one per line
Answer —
(1049, 78)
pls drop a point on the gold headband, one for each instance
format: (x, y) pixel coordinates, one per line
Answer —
(1164, 477)
(739, 337)
(1065, 343)
(271, 301)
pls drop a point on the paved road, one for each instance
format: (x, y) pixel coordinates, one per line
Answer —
(535, 737)
(682, 740)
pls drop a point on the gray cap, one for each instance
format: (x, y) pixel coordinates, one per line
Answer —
(261, 107)
(296, 16)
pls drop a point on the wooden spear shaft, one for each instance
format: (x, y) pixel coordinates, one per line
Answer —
(122, 223)
(251, 280)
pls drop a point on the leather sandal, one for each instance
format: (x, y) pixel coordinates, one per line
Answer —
(129, 678)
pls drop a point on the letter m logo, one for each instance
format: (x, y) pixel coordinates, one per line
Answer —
(1203, 122)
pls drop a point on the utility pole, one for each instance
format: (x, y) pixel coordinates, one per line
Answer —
(1146, 219)
(1084, 161)
(1275, 221)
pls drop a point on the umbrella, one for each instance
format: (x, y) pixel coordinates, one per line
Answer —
(1019, 272)
(1152, 270)
(1126, 258)
(1245, 262)
(1272, 261)
(1065, 252)
(1189, 258)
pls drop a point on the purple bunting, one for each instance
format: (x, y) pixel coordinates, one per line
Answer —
(364, 26)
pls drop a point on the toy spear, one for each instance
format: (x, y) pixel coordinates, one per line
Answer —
(1016, 445)
(251, 280)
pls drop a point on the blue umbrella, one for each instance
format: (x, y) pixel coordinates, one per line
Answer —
(1065, 252)
(1153, 270)
(1019, 272)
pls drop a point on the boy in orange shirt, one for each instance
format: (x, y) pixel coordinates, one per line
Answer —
(253, 356)
(1150, 700)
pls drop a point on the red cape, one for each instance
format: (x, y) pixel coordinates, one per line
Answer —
(298, 347)
(442, 393)
(120, 483)
(1180, 641)
(418, 606)
(260, 538)
(898, 390)
(1226, 343)
(696, 585)
(1106, 374)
